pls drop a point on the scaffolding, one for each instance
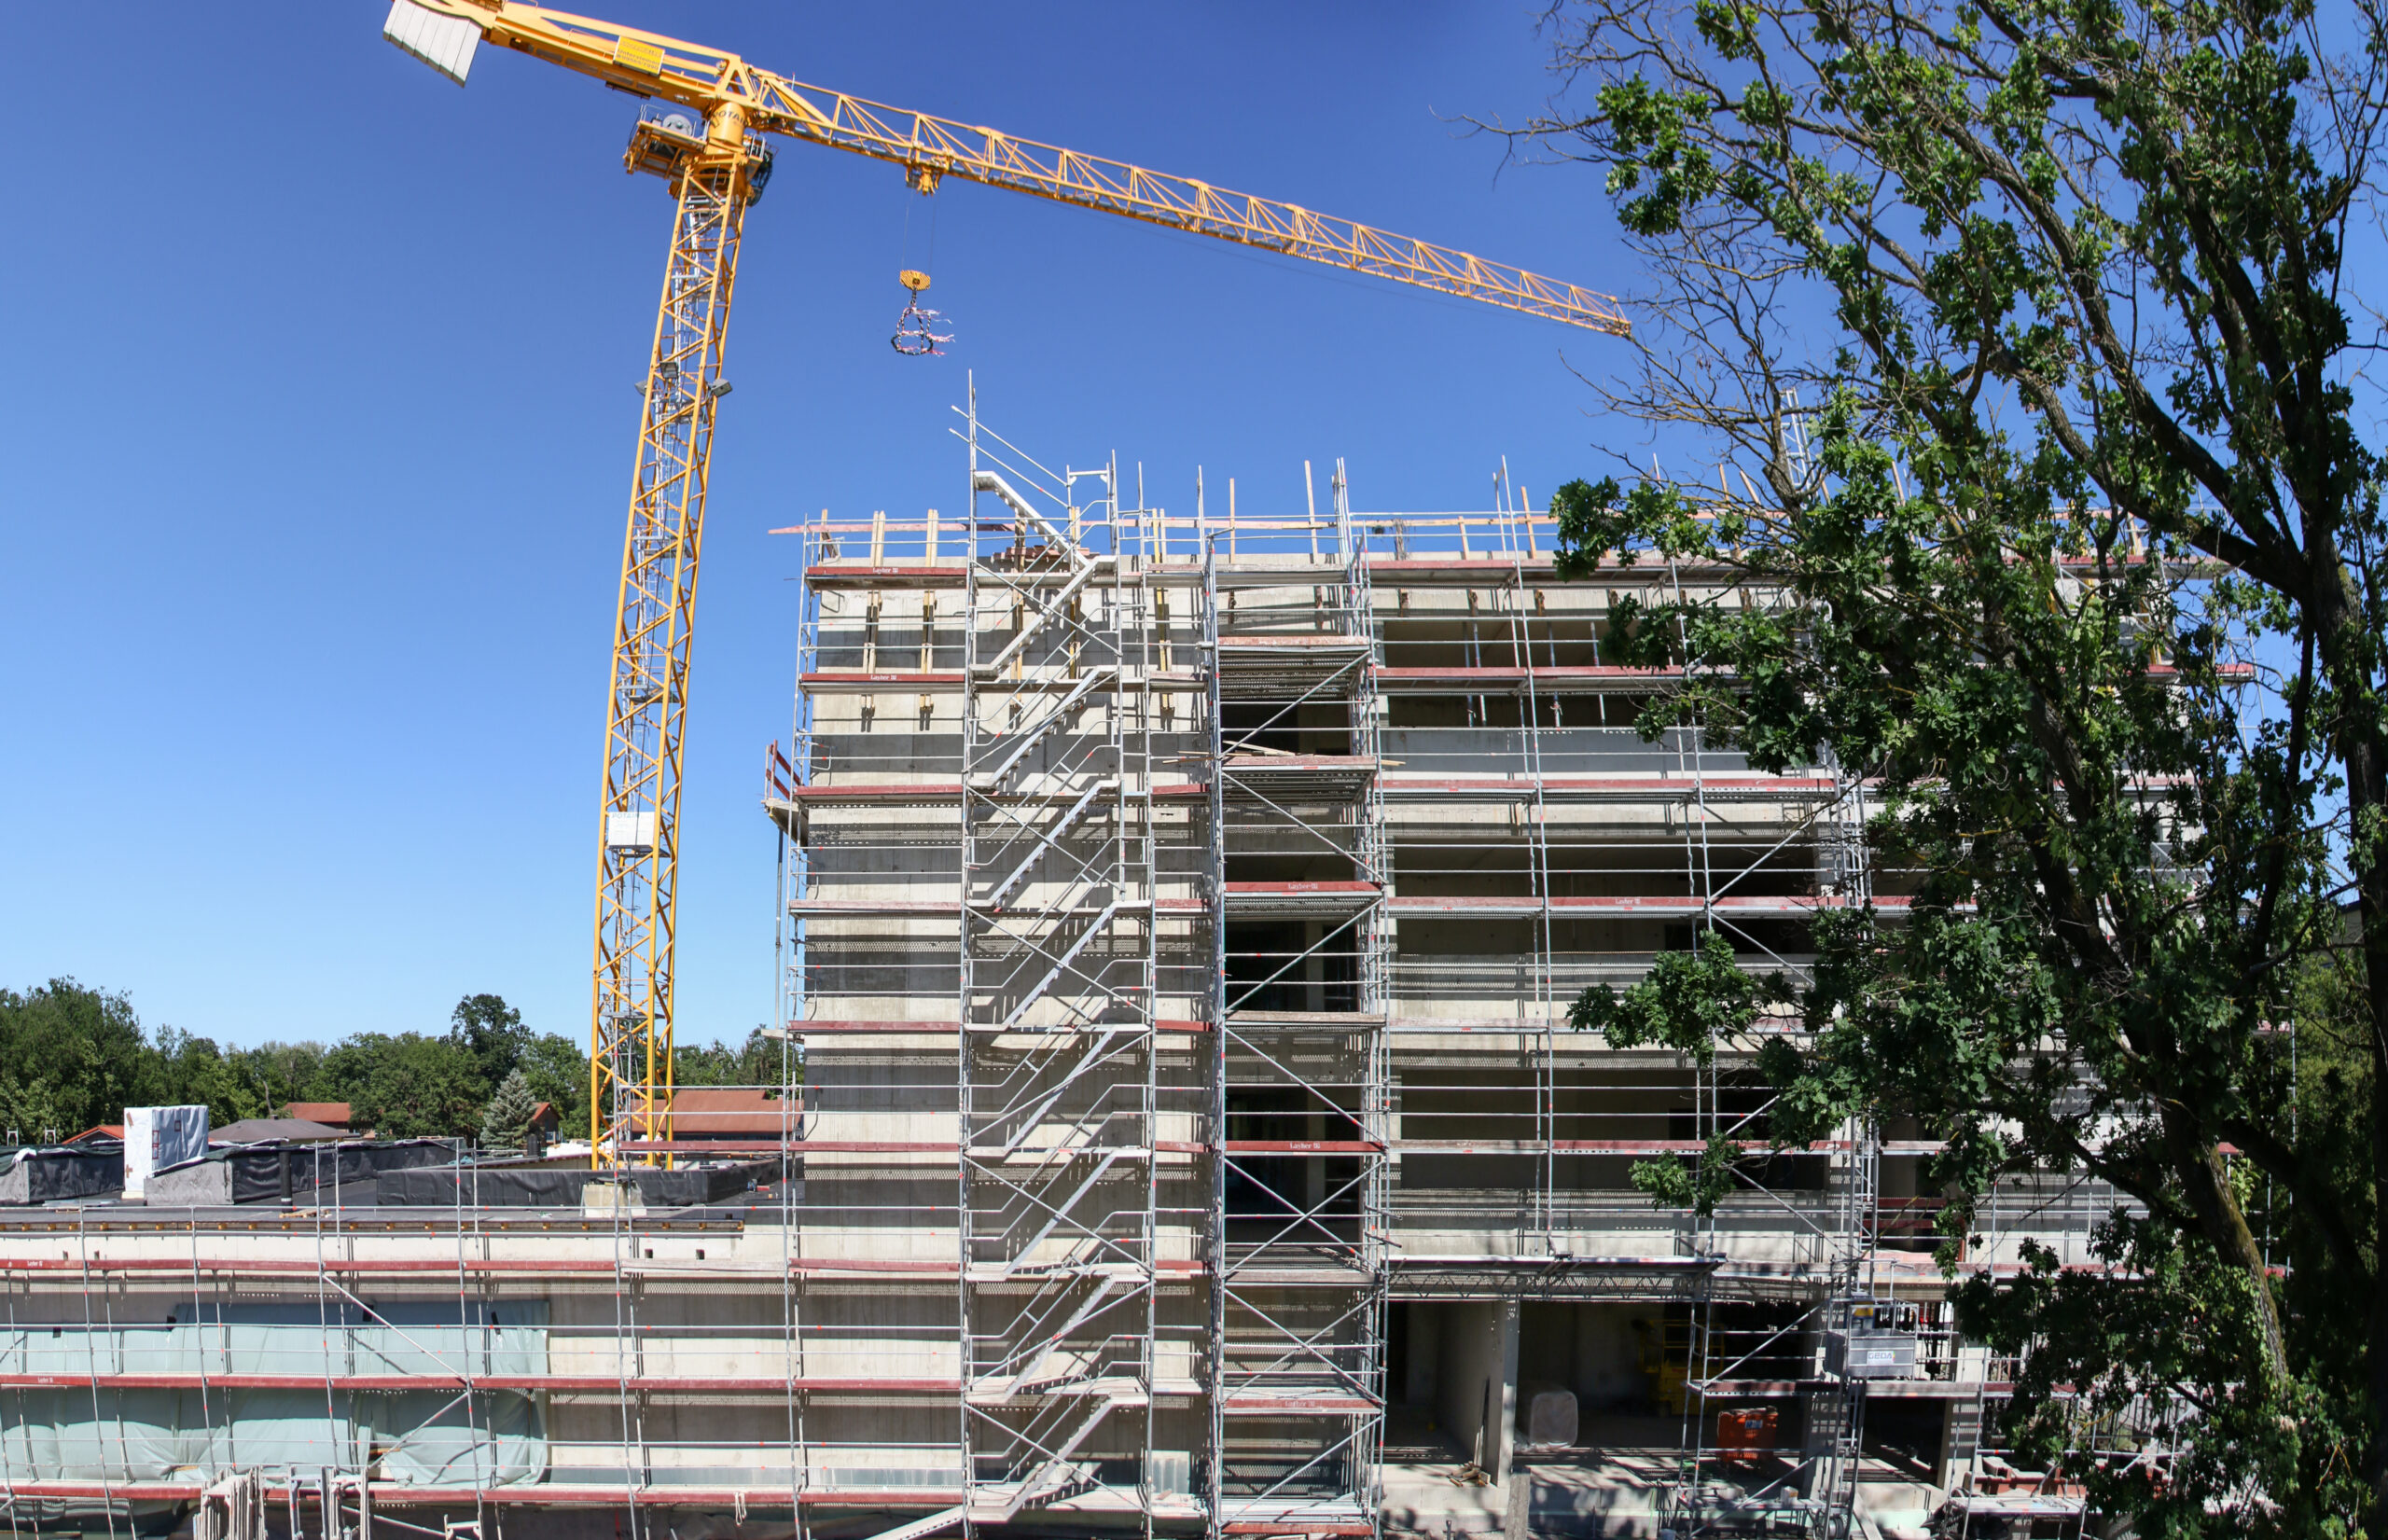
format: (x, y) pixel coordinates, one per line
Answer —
(1065, 1327)
(1300, 878)
(1179, 918)
(1286, 841)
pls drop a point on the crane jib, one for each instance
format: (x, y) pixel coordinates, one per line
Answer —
(716, 170)
(649, 65)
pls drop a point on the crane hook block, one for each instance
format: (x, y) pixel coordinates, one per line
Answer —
(916, 334)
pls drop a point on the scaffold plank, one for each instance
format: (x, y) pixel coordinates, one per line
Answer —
(574, 1384)
(1748, 906)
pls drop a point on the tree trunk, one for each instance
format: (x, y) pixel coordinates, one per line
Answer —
(2207, 1188)
(2363, 774)
(2339, 625)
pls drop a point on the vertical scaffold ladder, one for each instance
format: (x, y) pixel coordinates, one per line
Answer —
(1837, 1411)
(1298, 1291)
(1540, 994)
(1708, 1115)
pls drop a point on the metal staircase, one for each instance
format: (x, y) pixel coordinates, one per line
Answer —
(1057, 980)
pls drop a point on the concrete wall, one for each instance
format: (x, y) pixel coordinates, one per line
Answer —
(267, 1175)
(526, 1186)
(1588, 1348)
(47, 1176)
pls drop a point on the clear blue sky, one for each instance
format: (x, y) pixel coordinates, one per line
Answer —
(320, 383)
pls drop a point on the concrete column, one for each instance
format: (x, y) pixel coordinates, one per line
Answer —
(1478, 1391)
(1424, 1370)
(1960, 1424)
(1507, 1324)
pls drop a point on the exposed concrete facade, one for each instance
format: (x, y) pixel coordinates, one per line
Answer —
(1389, 812)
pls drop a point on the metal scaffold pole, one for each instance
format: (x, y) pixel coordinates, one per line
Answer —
(1214, 890)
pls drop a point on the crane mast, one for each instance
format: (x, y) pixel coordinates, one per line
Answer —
(630, 1078)
(713, 155)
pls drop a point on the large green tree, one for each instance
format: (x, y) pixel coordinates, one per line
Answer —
(2018, 344)
(491, 1032)
(405, 1084)
(557, 1068)
(70, 1057)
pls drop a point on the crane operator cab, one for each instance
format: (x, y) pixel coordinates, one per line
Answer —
(665, 139)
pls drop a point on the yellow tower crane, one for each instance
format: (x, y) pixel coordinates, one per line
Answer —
(707, 142)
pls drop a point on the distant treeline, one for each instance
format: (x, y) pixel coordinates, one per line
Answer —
(73, 1057)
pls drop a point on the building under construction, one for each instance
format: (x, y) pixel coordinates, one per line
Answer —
(1184, 1134)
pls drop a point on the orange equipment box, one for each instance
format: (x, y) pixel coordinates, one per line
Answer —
(1746, 1432)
